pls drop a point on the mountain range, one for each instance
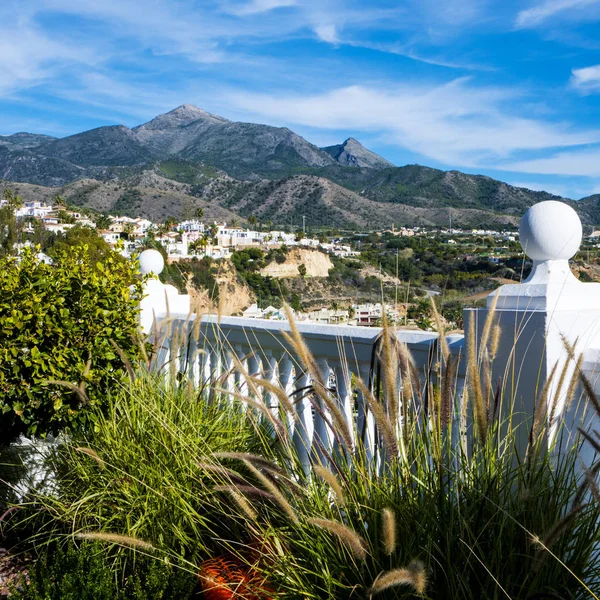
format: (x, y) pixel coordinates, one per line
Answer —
(189, 158)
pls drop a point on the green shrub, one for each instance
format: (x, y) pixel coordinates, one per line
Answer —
(141, 470)
(88, 572)
(60, 322)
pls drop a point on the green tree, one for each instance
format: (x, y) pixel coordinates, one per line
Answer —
(61, 322)
(199, 214)
(95, 247)
(103, 221)
(10, 227)
(302, 270)
(128, 229)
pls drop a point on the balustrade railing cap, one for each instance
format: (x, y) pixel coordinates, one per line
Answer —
(151, 262)
(550, 234)
(550, 230)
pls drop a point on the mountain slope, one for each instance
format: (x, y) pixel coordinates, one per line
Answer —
(353, 154)
(25, 140)
(104, 146)
(254, 169)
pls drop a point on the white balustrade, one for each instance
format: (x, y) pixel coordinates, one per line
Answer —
(540, 320)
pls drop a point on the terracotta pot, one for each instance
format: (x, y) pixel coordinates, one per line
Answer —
(228, 579)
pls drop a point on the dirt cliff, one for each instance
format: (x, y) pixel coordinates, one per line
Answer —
(317, 264)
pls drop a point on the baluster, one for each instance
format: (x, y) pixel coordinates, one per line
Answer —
(365, 422)
(228, 382)
(286, 382)
(270, 375)
(322, 433)
(304, 427)
(239, 381)
(254, 366)
(192, 358)
(344, 397)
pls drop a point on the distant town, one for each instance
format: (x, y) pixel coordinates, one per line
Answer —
(197, 238)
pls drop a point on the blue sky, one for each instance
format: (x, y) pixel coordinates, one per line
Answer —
(506, 88)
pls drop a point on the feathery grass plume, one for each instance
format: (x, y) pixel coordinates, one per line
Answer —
(92, 454)
(559, 387)
(474, 384)
(389, 359)
(494, 341)
(594, 443)
(271, 487)
(280, 393)
(124, 360)
(240, 500)
(589, 390)
(589, 482)
(266, 465)
(256, 459)
(573, 383)
(354, 542)
(411, 380)
(489, 322)
(331, 480)
(570, 348)
(114, 538)
(414, 575)
(247, 490)
(462, 422)
(388, 527)
(541, 410)
(441, 330)
(295, 340)
(590, 478)
(446, 392)
(385, 426)
(221, 471)
(76, 389)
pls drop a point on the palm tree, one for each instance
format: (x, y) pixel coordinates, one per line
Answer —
(195, 246)
(60, 201)
(103, 221)
(128, 229)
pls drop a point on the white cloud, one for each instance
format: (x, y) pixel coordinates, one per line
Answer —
(28, 57)
(586, 79)
(327, 33)
(584, 162)
(538, 14)
(260, 6)
(456, 123)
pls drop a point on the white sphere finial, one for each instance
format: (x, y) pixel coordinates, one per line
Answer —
(550, 230)
(151, 261)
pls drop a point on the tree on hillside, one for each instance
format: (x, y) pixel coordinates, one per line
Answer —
(103, 221)
(128, 229)
(199, 214)
(10, 228)
(170, 222)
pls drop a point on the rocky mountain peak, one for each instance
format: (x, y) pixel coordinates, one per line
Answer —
(352, 153)
(181, 116)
